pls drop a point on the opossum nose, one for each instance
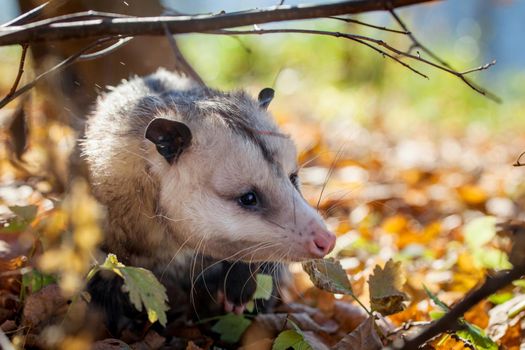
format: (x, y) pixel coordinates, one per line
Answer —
(322, 243)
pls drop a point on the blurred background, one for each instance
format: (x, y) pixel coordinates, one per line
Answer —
(465, 33)
(399, 165)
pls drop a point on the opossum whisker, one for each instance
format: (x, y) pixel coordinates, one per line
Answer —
(192, 275)
(173, 257)
(262, 245)
(164, 217)
(254, 273)
(276, 224)
(235, 254)
(337, 204)
(329, 174)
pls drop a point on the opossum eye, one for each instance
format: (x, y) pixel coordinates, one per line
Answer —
(248, 200)
(294, 179)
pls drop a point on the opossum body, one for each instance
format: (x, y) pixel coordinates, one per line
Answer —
(187, 171)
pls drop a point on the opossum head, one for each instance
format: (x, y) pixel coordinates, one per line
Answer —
(229, 182)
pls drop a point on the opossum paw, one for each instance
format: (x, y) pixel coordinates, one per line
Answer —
(230, 306)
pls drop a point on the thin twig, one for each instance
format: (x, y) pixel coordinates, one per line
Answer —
(26, 17)
(517, 163)
(351, 20)
(20, 70)
(361, 39)
(181, 64)
(35, 13)
(442, 64)
(357, 38)
(63, 64)
(449, 321)
(480, 68)
(105, 51)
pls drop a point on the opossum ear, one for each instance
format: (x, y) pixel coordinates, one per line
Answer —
(171, 137)
(265, 97)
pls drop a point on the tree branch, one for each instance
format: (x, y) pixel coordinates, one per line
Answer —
(125, 26)
(67, 62)
(449, 322)
(181, 64)
(365, 41)
(442, 64)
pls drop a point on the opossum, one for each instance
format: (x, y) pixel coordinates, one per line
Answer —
(191, 174)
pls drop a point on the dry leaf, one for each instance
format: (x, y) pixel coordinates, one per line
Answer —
(328, 275)
(364, 337)
(385, 284)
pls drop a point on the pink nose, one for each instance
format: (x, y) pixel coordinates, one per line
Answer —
(322, 243)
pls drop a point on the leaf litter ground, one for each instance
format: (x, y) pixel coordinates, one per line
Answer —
(431, 206)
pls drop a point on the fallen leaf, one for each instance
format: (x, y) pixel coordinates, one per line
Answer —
(303, 321)
(231, 327)
(348, 316)
(364, 337)
(385, 284)
(43, 306)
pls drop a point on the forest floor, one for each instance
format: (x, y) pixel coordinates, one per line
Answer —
(432, 204)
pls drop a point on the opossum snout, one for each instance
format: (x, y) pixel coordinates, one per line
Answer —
(321, 243)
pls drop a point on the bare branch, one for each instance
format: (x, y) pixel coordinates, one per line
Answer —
(442, 64)
(65, 63)
(26, 17)
(105, 51)
(354, 37)
(181, 63)
(483, 67)
(518, 163)
(362, 39)
(449, 321)
(103, 27)
(20, 71)
(351, 20)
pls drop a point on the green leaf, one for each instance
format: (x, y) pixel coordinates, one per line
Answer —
(436, 315)
(471, 333)
(291, 339)
(329, 275)
(493, 258)
(480, 231)
(500, 298)
(250, 306)
(436, 300)
(519, 283)
(231, 327)
(33, 281)
(26, 213)
(143, 287)
(477, 336)
(264, 287)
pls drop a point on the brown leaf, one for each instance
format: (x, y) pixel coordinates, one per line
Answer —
(385, 284)
(262, 344)
(152, 341)
(314, 341)
(277, 322)
(329, 275)
(109, 344)
(348, 316)
(364, 337)
(43, 306)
